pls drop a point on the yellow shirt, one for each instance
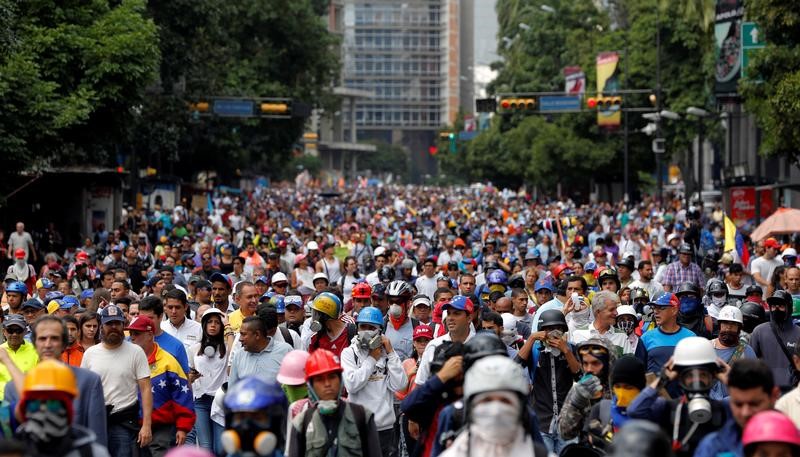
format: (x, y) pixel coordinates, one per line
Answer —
(235, 320)
(25, 357)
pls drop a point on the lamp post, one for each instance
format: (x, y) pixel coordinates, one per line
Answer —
(700, 114)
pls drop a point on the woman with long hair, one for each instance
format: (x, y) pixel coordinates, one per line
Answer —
(89, 330)
(303, 276)
(349, 277)
(208, 360)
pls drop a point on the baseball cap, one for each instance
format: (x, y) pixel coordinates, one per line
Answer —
(262, 279)
(88, 293)
(54, 295)
(44, 283)
(293, 300)
(141, 324)
(116, 248)
(279, 277)
(320, 275)
(543, 284)
(54, 305)
(203, 284)
(14, 319)
(421, 300)
(219, 277)
(32, 303)
(19, 254)
(422, 331)
(666, 299)
(379, 251)
(312, 246)
(460, 302)
(772, 243)
(685, 249)
(111, 313)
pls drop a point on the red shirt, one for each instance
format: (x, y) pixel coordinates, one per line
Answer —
(322, 340)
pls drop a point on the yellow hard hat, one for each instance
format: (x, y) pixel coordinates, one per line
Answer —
(50, 376)
(53, 306)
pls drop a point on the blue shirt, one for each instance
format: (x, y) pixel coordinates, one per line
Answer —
(660, 346)
(726, 442)
(174, 346)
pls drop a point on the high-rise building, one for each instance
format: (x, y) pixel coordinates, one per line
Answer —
(415, 57)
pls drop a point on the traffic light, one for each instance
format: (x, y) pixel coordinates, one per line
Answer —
(604, 103)
(198, 109)
(432, 150)
(518, 104)
(450, 137)
(485, 105)
(275, 109)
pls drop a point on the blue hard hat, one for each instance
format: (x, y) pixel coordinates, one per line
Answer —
(370, 315)
(252, 394)
(18, 287)
(497, 277)
(70, 301)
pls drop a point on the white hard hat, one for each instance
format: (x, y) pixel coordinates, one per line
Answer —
(320, 275)
(380, 250)
(791, 252)
(623, 310)
(494, 373)
(312, 246)
(730, 314)
(279, 277)
(694, 351)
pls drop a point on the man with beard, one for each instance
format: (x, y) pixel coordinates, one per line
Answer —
(778, 333)
(220, 289)
(728, 345)
(21, 270)
(123, 369)
(646, 280)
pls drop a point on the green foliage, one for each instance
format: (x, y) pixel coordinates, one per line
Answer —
(388, 158)
(302, 162)
(69, 75)
(772, 91)
(569, 148)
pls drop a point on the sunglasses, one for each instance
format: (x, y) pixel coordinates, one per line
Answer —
(15, 330)
(55, 406)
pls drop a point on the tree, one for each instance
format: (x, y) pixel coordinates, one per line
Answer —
(772, 89)
(69, 75)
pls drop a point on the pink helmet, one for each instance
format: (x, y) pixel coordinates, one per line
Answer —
(770, 427)
(188, 451)
(293, 368)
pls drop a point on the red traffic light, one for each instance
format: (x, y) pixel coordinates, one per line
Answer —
(505, 104)
(432, 150)
(591, 102)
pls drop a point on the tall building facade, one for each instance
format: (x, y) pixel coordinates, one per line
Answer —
(410, 55)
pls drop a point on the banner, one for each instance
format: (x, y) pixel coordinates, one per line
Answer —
(743, 204)
(575, 81)
(607, 84)
(728, 45)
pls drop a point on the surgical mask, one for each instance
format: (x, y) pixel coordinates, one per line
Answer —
(495, 421)
(395, 310)
(294, 393)
(369, 339)
(729, 339)
(44, 426)
(718, 301)
(689, 304)
(625, 395)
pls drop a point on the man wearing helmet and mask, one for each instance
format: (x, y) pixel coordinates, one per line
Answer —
(774, 341)
(728, 344)
(331, 422)
(326, 330)
(694, 415)
(399, 327)
(716, 297)
(691, 313)
(753, 315)
(255, 414)
(626, 322)
(372, 373)
(495, 392)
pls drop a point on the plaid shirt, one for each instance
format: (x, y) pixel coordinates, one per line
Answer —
(677, 274)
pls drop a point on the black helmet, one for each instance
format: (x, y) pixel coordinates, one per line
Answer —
(640, 437)
(481, 345)
(752, 315)
(638, 292)
(754, 289)
(552, 317)
(516, 281)
(608, 273)
(386, 274)
(781, 297)
(688, 288)
(443, 352)
(685, 249)
(716, 286)
(627, 262)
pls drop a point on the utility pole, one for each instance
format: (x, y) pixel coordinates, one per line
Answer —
(659, 175)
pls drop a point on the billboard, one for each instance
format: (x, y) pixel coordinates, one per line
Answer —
(608, 84)
(728, 45)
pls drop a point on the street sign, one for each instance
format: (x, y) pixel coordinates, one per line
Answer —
(753, 39)
(559, 103)
(234, 108)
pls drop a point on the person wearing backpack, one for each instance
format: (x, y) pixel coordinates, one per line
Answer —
(372, 373)
(330, 422)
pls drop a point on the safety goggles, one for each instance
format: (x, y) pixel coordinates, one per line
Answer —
(35, 405)
(596, 351)
(696, 379)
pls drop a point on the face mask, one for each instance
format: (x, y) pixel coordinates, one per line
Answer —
(699, 408)
(46, 427)
(778, 315)
(729, 339)
(318, 320)
(508, 337)
(495, 421)
(395, 311)
(625, 395)
(369, 339)
(294, 393)
(626, 326)
(327, 407)
(718, 301)
(249, 437)
(689, 304)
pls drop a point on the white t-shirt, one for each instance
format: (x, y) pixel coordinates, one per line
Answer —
(426, 285)
(214, 371)
(765, 268)
(119, 370)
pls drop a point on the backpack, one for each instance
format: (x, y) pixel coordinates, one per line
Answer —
(359, 415)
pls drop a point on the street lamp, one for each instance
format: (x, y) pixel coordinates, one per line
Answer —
(524, 26)
(700, 114)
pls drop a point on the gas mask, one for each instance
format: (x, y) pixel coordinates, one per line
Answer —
(689, 304)
(696, 382)
(626, 325)
(395, 310)
(46, 421)
(249, 438)
(369, 340)
(719, 302)
(318, 320)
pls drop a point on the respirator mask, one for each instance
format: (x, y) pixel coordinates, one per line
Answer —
(369, 340)
(318, 320)
(249, 437)
(696, 382)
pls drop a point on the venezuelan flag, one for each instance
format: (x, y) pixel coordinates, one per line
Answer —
(172, 394)
(734, 242)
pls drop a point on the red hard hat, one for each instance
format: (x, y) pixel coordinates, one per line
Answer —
(322, 361)
(362, 290)
(770, 427)
(559, 269)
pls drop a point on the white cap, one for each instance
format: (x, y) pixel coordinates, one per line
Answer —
(791, 252)
(312, 246)
(421, 300)
(671, 237)
(279, 277)
(380, 250)
(320, 275)
(626, 310)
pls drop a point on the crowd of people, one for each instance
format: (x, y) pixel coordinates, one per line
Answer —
(401, 321)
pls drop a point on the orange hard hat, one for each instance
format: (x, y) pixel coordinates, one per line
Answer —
(322, 361)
